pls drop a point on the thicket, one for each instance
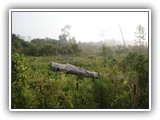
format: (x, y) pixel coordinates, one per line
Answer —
(123, 84)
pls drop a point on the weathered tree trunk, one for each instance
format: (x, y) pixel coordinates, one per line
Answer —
(71, 69)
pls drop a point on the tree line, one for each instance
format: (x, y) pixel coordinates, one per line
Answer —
(44, 47)
(67, 45)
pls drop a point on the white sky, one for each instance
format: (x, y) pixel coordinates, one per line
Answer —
(86, 26)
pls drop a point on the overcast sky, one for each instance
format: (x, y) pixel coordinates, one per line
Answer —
(85, 26)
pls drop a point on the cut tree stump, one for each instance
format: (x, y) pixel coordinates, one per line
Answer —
(71, 69)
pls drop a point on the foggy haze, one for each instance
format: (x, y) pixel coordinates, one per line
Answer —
(85, 26)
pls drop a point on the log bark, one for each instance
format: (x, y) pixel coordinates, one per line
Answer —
(71, 69)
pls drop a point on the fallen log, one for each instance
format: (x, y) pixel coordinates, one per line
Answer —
(71, 69)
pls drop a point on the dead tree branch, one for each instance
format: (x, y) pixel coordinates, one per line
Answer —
(71, 69)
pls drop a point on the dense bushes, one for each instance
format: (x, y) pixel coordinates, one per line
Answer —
(123, 83)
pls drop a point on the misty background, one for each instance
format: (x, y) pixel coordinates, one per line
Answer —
(85, 26)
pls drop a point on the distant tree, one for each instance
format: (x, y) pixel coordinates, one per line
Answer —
(62, 40)
(18, 44)
(140, 35)
(72, 40)
(66, 31)
(37, 41)
(75, 48)
(34, 50)
(119, 49)
(63, 37)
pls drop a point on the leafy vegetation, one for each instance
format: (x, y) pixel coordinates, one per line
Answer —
(123, 81)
